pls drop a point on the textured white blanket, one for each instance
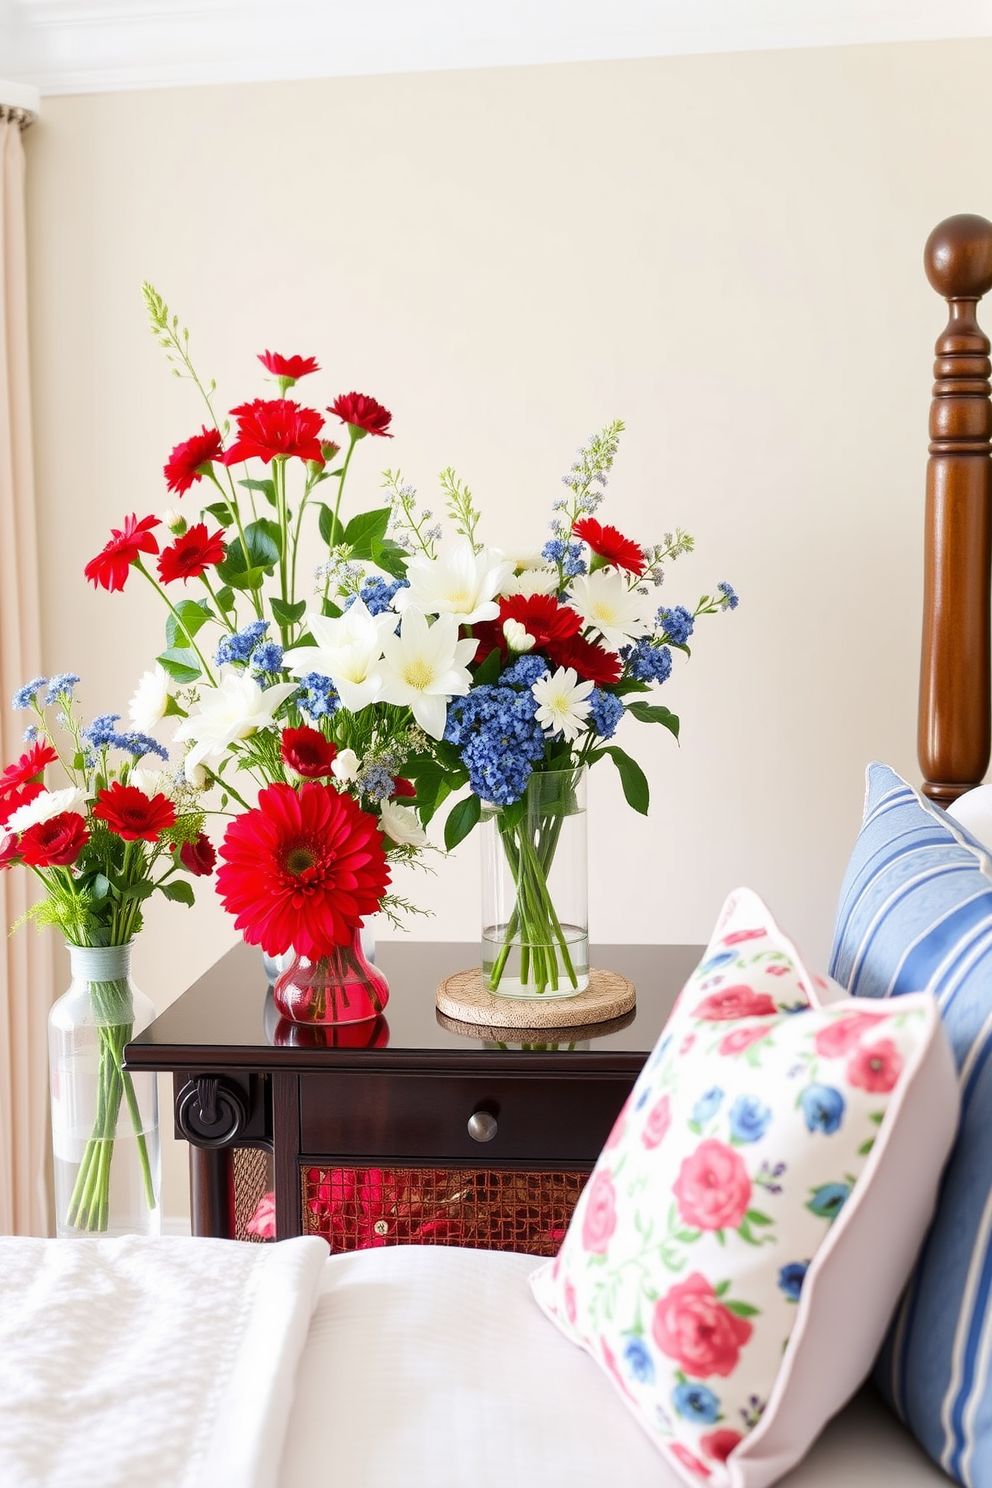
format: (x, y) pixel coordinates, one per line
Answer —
(140, 1363)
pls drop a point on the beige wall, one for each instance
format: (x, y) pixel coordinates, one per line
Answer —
(723, 251)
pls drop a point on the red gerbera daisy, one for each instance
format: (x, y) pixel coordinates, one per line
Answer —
(306, 751)
(189, 460)
(196, 550)
(31, 764)
(10, 802)
(609, 544)
(54, 843)
(302, 869)
(199, 857)
(133, 815)
(363, 414)
(591, 662)
(110, 567)
(269, 427)
(287, 369)
(541, 616)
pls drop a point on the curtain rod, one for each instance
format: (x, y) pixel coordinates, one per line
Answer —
(19, 103)
(11, 114)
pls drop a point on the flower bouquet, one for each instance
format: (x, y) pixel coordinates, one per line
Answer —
(111, 836)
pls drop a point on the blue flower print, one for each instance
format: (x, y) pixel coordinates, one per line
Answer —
(696, 1403)
(828, 1200)
(823, 1108)
(707, 1105)
(791, 1278)
(719, 958)
(748, 1119)
(639, 1361)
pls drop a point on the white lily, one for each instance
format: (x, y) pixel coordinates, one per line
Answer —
(461, 582)
(234, 709)
(425, 665)
(563, 702)
(347, 650)
(151, 698)
(604, 602)
(44, 807)
(401, 825)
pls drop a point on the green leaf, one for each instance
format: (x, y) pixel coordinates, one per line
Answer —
(632, 778)
(225, 599)
(390, 557)
(266, 487)
(866, 1147)
(181, 664)
(256, 534)
(654, 713)
(180, 890)
(140, 890)
(190, 616)
(366, 529)
(487, 672)
(742, 1309)
(755, 1216)
(99, 886)
(330, 528)
(287, 614)
(220, 511)
(721, 1289)
(245, 565)
(461, 819)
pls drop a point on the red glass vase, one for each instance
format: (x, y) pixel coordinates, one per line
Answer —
(340, 988)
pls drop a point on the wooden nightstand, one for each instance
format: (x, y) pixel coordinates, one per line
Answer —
(406, 1130)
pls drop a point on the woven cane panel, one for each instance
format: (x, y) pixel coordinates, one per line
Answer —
(493, 1209)
(252, 1188)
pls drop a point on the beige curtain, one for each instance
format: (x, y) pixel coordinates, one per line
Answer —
(26, 978)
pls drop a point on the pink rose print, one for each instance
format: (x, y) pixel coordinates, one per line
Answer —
(713, 1189)
(687, 1043)
(838, 1038)
(600, 1218)
(735, 1002)
(687, 1460)
(692, 1326)
(736, 937)
(618, 1127)
(720, 1444)
(571, 1311)
(657, 1124)
(875, 1067)
(741, 1039)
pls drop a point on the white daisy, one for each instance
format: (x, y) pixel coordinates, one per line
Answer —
(605, 603)
(563, 702)
(44, 807)
(347, 650)
(460, 582)
(425, 665)
(151, 698)
(401, 825)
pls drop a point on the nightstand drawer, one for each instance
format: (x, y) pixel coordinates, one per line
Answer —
(543, 1119)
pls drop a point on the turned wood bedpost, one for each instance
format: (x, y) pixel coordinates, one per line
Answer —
(955, 707)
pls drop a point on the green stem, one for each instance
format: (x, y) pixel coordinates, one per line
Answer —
(159, 590)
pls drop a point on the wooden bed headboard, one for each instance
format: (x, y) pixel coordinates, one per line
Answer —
(955, 705)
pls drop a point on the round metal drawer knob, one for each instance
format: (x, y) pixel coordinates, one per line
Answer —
(481, 1126)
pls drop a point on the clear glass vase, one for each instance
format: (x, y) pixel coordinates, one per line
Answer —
(343, 987)
(105, 1136)
(535, 919)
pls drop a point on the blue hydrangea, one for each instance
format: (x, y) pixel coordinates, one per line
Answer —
(748, 1119)
(237, 648)
(60, 687)
(677, 624)
(318, 697)
(568, 556)
(648, 663)
(25, 696)
(791, 1278)
(267, 658)
(730, 600)
(823, 1108)
(525, 671)
(377, 593)
(605, 712)
(639, 1360)
(707, 1105)
(696, 1403)
(499, 738)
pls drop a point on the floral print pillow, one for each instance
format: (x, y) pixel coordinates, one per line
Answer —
(742, 1154)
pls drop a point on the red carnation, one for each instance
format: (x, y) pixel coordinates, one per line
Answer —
(189, 460)
(54, 843)
(196, 550)
(9, 851)
(269, 427)
(609, 544)
(110, 567)
(12, 800)
(31, 764)
(287, 369)
(302, 869)
(363, 414)
(199, 857)
(592, 663)
(133, 815)
(306, 751)
(403, 787)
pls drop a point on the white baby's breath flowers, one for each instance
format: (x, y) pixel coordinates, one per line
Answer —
(563, 702)
(151, 698)
(401, 825)
(347, 650)
(44, 807)
(423, 665)
(236, 708)
(605, 603)
(461, 582)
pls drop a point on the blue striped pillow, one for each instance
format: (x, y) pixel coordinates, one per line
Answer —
(916, 914)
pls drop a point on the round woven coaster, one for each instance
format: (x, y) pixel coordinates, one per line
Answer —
(465, 996)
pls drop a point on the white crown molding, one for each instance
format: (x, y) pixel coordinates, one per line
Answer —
(85, 46)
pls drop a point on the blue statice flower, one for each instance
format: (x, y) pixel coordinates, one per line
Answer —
(639, 1360)
(377, 593)
(648, 663)
(318, 697)
(31, 734)
(568, 555)
(266, 659)
(730, 599)
(525, 671)
(605, 712)
(24, 696)
(499, 738)
(60, 687)
(791, 1278)
(748, 1119)
(376, 782)
(696, 1403)
(139, 745)
(823, 1108)
(707, 1105)
(677, 624)
(101, 732)
(828, 1200)
(237, 648)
